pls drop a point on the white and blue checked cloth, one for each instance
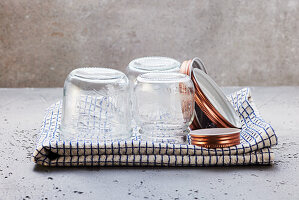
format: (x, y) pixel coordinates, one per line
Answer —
(257, 137)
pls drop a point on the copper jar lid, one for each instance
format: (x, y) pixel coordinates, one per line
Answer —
(187, 68)
(215, 137)
(212, 108)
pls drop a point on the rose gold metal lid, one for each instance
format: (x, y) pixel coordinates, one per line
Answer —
(187, 68)
(215, 132)
(211, 100)
(214, 145)
(197, 63)
(215, 137)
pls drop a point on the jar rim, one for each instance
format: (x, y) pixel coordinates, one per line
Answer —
(154, 63)
(96, 73)
(160, 77)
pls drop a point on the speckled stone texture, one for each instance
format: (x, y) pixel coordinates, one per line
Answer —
(241, 42)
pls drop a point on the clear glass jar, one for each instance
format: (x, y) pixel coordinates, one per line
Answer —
(163, 106)
(96, 105)
(148, 65)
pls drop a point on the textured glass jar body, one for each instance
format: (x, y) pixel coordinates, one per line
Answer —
(96, 105)
(163, 106)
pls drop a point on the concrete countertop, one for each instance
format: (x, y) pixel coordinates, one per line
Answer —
(21, 113)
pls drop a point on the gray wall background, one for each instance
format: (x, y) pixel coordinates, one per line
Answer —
(241, 42)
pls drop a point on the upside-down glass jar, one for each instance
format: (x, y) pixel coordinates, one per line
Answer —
(149, 65)
(96, 105)
(163, 106)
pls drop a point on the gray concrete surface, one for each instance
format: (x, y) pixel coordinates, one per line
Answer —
(242, 42)
(21, 113)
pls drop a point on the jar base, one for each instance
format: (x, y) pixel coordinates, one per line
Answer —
(71, 135)
(174, 136)
(170, 140)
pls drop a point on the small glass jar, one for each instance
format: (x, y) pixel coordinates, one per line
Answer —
(96, 105)
(163, 106)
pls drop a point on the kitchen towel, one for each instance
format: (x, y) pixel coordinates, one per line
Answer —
(257, 138)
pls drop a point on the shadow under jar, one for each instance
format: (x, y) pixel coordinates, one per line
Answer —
(163, 106)
(96, 105)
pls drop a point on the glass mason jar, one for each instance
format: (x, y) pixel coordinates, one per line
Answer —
(96, 105)
(148, 65)
(163, 106)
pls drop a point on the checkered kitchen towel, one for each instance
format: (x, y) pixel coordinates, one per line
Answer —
(257, 137)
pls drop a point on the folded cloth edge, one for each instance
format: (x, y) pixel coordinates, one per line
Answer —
(260, 157)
